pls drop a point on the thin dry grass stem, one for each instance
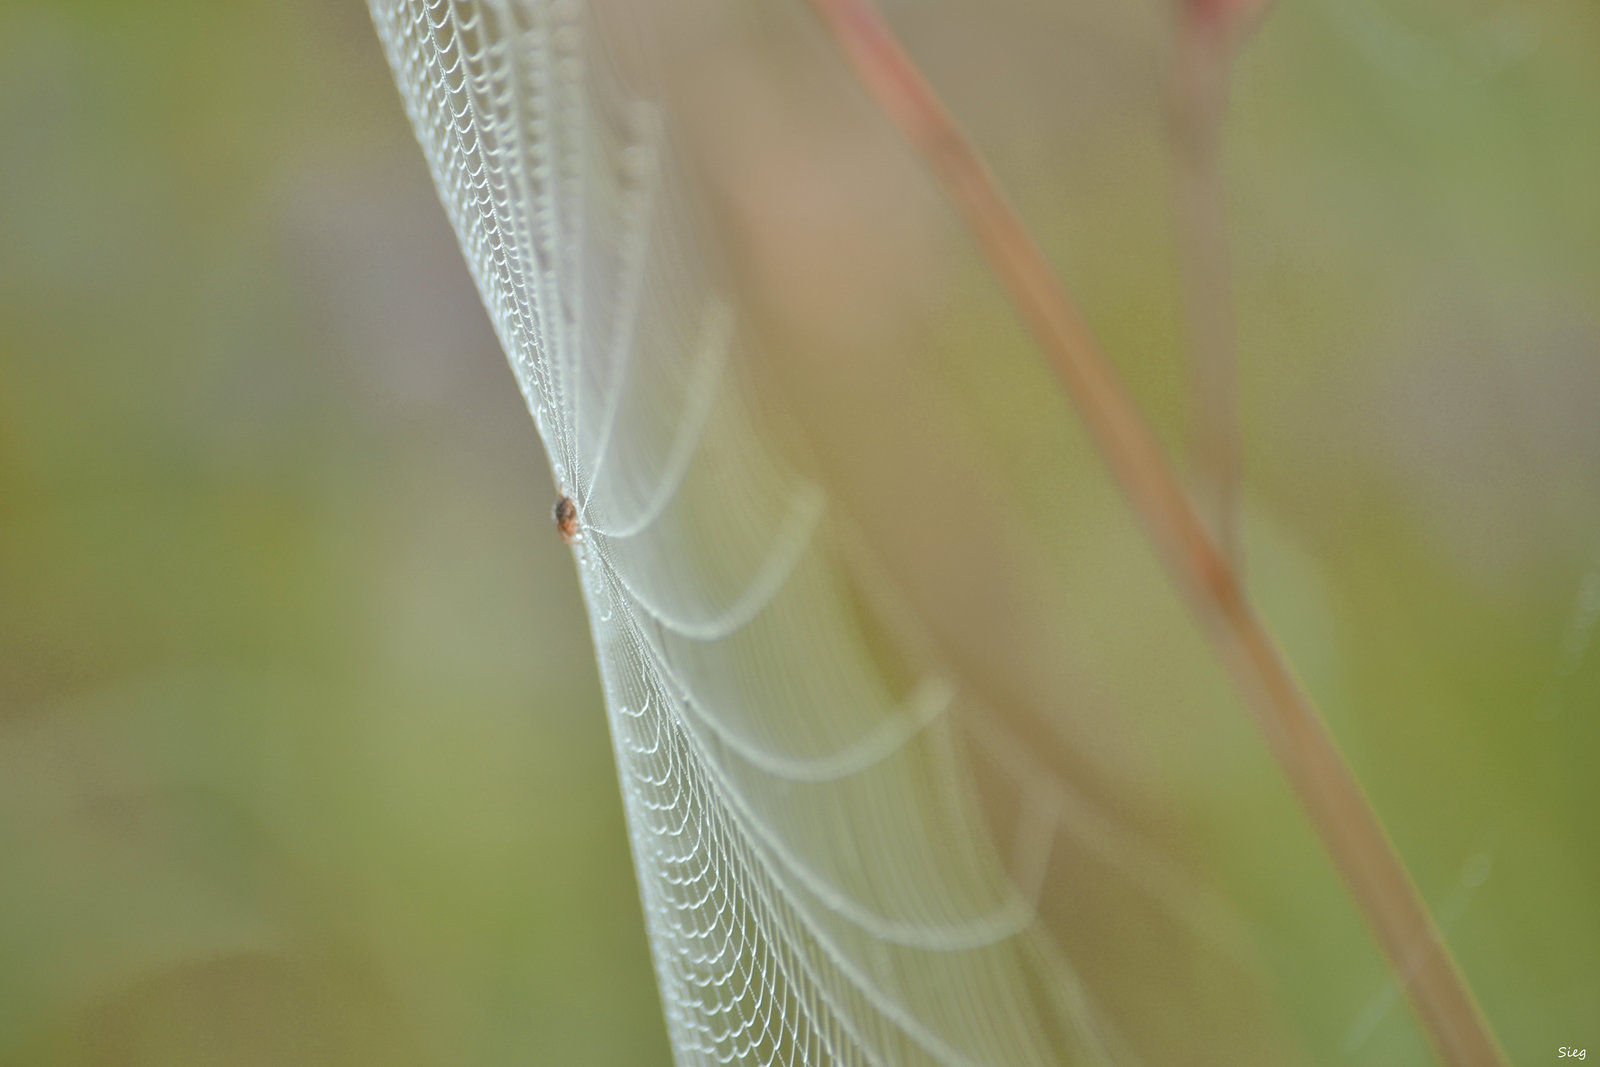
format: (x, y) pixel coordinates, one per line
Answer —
(1202, 68)
(1354, 839)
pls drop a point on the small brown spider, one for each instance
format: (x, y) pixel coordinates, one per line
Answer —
(567, 520)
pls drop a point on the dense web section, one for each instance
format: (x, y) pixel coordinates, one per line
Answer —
(820, 880)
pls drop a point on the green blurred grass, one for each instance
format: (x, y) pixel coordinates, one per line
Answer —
(302, 758)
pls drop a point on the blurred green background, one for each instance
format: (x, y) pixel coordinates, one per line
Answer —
(302, 756)
(302, 752)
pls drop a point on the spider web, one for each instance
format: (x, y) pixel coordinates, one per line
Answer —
(820, 880)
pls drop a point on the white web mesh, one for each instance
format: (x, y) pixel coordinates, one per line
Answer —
(820, 882)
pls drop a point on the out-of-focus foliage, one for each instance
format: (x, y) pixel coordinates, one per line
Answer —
(301, 757)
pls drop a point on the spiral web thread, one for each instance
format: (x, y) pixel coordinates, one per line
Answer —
(820, 881)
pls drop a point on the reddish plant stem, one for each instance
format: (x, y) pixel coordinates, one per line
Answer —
(1355, 840)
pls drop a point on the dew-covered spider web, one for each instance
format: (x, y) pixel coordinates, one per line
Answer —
(820, 879)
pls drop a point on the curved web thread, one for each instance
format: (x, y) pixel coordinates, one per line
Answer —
(819, 881)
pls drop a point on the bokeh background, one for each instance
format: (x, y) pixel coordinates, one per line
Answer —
(302, 754)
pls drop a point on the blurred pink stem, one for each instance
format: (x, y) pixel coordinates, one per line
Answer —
(1310, 759)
